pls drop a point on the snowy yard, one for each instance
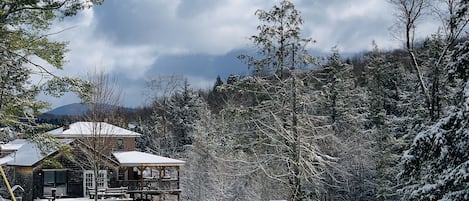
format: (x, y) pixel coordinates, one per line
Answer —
(75, 199)
(84, 199)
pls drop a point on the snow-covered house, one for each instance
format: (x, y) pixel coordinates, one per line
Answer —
(26, 165)
(115, 138)
(142, 174)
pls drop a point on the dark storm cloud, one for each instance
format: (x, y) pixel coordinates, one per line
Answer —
(175, 27)
(200, 65)
(130, 22)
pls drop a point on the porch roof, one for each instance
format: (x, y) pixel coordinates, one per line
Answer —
(141, 159)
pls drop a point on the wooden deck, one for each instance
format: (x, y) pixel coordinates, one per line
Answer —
(154, 192)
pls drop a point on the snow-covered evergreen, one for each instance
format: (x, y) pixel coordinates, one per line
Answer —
(436, 166)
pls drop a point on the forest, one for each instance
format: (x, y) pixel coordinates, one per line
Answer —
(380, 125)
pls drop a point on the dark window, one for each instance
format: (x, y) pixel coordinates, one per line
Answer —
(54, 177)
(121, 174)
(120, 144)
(61, 177)
(49, 177)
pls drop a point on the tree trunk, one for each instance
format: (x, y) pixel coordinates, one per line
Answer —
(420, 77)
(297, 196)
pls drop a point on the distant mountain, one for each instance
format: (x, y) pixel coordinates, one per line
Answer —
(74, 112)
(74, 109)
(77, 109)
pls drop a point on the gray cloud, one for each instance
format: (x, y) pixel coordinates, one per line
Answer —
(350, 25)
(140, 39)
(175, 27)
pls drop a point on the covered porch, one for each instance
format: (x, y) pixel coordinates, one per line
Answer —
(148, 176)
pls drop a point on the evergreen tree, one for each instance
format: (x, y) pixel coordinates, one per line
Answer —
(386, 119)
(435, 166)
(281, 130)
(279, 42)
(182, 114)
(216, 98)
(347, 108)
(23, 29)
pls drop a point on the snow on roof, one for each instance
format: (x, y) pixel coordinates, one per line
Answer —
(137, 159)
(14, 145)
(27, 154)
(6, 159)
(84, 129)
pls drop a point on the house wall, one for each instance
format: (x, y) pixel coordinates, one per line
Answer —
(22, 176)
(37, 183)
(74, 169)
(74, 183)
(110, 144)
(74, 176)
(127, 142)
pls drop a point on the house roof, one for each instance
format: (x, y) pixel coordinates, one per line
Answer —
(92, 129)
(138, 159)
(27, 153)
(11, 146)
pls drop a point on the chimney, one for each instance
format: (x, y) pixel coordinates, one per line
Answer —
(19, 136)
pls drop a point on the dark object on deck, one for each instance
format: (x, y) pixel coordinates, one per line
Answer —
(54, 190)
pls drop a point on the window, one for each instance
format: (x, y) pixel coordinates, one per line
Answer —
(49, 177)
(121, 174)
(61, 177)
(120, 144)
(102, 179)
(89, 179)
(55, 177)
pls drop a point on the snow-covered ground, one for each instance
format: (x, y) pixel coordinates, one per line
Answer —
(77, 199)
(83, 199)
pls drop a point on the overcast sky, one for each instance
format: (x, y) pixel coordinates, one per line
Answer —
(137, 40)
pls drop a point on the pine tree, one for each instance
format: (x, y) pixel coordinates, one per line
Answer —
(280, 129)
(435, 166)
(182, 114)
(216, 98)
(24, 27)
(279, 41)
(346, 105)
(383, 73)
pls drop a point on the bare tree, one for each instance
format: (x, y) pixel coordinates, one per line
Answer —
(96, 141)
(409, 13)
(454, 17)
(161, 87)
